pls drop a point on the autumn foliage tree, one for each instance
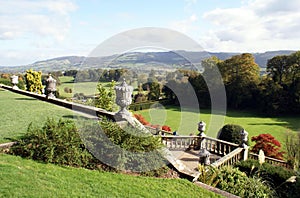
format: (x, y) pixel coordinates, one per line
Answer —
(34, 81)
(268, 144)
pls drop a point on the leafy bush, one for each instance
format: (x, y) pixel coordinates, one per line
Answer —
(5, 81)
(231, 133)
(127, 149)
(141, 119)
(276, 175)
(166, 128)
(236, 182)
(68, 90)
(64, 144)
(268, 144)
(56, 142)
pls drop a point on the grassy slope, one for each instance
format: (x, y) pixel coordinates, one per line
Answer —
(253, 123)
(26, 178)
(18, 111)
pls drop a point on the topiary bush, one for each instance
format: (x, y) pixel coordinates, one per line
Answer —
(231, 133)
(276, 175)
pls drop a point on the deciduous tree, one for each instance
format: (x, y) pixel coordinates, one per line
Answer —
(268, 144)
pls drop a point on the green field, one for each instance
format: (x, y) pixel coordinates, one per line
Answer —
(88, 88)
(185, 121)
(26, 178)
(18, 111)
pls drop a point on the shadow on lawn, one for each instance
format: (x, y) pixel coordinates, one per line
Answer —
(25, 99)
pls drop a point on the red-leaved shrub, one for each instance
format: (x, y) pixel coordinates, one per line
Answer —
(166, 128)
(141, 119)
(268, 144)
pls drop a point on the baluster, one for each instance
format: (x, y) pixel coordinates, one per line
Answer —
(181, 143)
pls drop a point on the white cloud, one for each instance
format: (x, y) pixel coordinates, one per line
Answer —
(255, 26)
(21, 18)
(185, 25)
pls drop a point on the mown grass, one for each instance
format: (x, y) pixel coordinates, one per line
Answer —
(88, 88)
(18, 111)
(26, 178)
(185, 121)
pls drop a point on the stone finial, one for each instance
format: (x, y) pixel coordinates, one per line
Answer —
(201, 128)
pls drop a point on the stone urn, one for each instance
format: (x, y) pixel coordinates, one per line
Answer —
(123, 99)
(14, 81)
(201, 128)
(50, 87)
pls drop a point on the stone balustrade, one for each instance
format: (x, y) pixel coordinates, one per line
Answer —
(179, 142)
(270, 160)
(233, 157)
(217, 146)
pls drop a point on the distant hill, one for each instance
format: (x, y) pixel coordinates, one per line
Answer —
(147, 59)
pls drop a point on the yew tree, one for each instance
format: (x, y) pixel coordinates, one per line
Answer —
(268, 144)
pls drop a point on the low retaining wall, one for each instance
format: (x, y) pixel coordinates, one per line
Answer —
(70, 105)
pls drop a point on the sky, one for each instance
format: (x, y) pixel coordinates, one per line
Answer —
(34, 30)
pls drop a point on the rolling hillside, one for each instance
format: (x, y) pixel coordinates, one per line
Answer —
(165, 59)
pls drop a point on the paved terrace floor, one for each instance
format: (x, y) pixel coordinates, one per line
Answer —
(190, 158)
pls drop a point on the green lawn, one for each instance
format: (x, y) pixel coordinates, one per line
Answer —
(88, 88)
(26, 178)
(185, 121)
(18, 111)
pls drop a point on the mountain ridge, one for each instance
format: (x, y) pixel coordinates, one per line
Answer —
(169, 58)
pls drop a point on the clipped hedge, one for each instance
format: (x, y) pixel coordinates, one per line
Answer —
(146, 105)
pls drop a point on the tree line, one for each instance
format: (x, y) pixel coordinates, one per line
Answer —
(275, 92)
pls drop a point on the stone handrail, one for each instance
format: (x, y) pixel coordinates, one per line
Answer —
(217, 146)
(270, 160)
(230, 159)
(179, 142)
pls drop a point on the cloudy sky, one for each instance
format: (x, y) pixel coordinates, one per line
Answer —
(33, 30)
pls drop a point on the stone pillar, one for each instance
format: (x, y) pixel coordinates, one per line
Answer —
(50, 87)
(244, 140)
(14, 81)
(123, 99)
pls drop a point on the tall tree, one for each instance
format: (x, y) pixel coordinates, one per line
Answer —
(280, 89)
(241, 76)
